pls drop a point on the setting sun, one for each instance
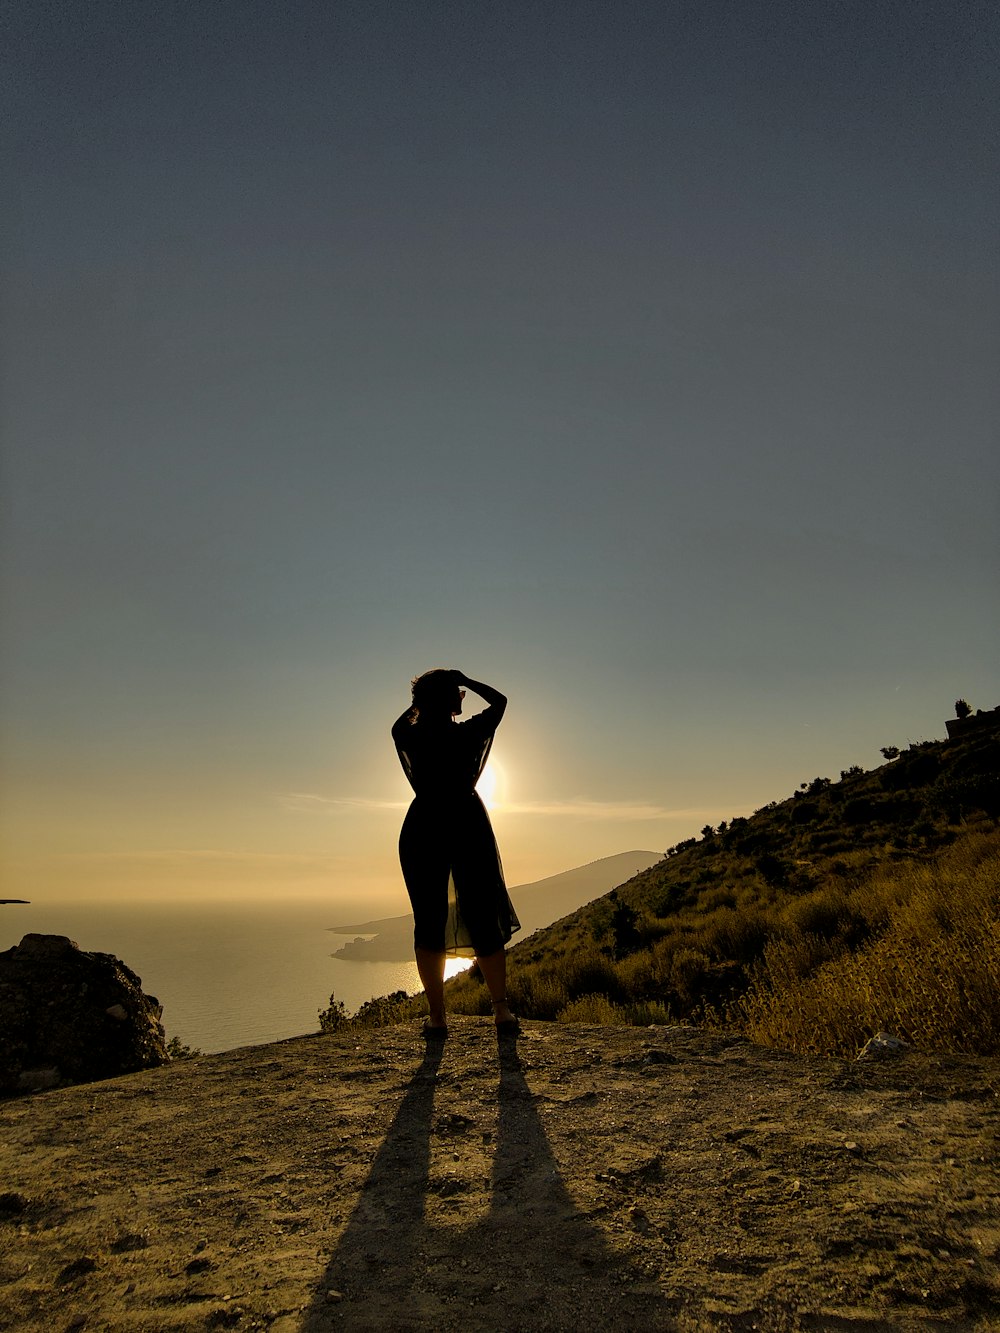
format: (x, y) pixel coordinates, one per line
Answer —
(490, 784)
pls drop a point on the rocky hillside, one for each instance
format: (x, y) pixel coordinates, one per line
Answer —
(806, 891)
(830, 832)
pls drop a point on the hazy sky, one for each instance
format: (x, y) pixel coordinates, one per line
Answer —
(639, 358)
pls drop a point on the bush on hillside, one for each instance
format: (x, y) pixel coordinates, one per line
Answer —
(334, 1016)
(932, 975)
(691, 935)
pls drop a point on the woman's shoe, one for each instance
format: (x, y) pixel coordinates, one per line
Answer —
(507, 1027)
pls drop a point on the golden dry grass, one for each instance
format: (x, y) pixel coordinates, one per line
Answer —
(930, 975)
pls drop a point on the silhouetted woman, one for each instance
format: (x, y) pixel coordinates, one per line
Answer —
(447, 850)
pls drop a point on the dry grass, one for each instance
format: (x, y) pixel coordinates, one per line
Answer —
(913, 948)
(930, 974)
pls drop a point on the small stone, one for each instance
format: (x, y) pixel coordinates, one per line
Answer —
(117, 1011)
(881, 1046)
(850, 1145)
(333, 1296)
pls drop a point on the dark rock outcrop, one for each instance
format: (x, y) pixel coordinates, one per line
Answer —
(67, 1016)
(958, 727)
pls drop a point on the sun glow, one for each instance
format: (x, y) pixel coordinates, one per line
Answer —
(490, 785)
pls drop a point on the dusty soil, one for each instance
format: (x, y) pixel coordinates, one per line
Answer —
(580, 1179)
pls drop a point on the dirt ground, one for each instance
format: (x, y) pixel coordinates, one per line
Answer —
(580, 1179)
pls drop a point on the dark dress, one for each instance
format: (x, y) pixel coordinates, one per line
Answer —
(447, 850)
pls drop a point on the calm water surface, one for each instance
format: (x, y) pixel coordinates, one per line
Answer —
(227, 974)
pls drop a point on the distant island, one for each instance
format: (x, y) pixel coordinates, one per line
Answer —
(4, 901)
(538, 904)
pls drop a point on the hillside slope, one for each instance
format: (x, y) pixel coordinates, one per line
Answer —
(822, 875)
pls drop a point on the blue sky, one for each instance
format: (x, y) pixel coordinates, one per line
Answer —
(637, 358)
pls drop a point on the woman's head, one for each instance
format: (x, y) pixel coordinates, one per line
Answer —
(437, 693)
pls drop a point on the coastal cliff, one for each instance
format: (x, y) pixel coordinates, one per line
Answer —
(583, 1178)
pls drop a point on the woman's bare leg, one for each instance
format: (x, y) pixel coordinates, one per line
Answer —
(494, 970)
(430, 965)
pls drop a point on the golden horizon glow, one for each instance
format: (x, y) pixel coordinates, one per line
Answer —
(491, 784)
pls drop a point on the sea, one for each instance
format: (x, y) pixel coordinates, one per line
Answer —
(227, 974)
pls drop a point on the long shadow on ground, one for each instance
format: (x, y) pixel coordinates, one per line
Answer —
(433, 1244)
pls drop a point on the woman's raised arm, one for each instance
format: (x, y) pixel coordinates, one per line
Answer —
(493, 697)
(401, 724)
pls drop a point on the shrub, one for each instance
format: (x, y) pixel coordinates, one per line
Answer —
(861, 810)
(593, 1009)
(647, 1014)
(383, 1010)
(585, 974)
(333, 1016)
(639, 975)
(711, 899)
(601, 919)
(688, 968)
(179, 1050)
(805, 812)
(931, 977)
(623, 926)
(960, 796)
(772, 870)
(739, 936)
(823, 912)
(536, 995)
